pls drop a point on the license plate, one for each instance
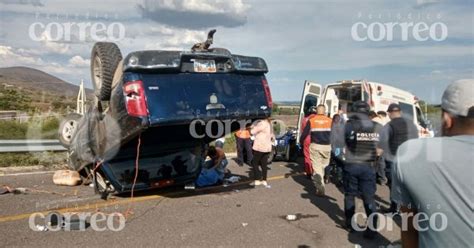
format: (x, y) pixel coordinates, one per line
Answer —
(205, 66)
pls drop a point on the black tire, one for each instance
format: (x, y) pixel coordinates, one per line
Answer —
(104, 60)
(67, 127)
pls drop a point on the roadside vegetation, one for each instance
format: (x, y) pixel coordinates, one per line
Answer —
(36, 128)
(46, 159)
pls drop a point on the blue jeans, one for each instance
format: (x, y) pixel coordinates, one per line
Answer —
(388, 172)
(359, 179)
(211, 175)
(389, 167)
(381, 172)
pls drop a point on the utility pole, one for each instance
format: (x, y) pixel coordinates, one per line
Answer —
(81, 99)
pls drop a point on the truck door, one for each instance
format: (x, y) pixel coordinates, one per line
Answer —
(310, 97)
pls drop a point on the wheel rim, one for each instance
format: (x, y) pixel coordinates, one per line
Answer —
(97, 70)
(68, 130)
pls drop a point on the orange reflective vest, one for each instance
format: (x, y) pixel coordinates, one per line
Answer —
(319, 126)
(243, 134)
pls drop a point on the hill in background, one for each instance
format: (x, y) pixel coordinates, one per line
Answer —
(24, 88)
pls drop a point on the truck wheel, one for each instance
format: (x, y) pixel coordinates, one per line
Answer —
(104, 60)
(67, 128)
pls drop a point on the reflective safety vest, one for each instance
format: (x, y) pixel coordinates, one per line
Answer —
(243, 134)
(320, 129)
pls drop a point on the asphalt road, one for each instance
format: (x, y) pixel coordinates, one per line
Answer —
(235, 216)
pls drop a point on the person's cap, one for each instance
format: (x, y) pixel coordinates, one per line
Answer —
(458, 98)
(361, 107)
(393, 107)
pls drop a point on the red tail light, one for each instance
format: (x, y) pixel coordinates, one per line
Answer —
(135, 98)
(268, 95)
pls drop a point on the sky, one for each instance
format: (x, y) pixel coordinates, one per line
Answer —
(300, 39)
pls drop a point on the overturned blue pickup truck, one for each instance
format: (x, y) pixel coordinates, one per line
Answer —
(156, 112)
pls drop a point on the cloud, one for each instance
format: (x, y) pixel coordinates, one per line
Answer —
(36, 3)
(22, 57)
(53, 46)
(182, 40)
(299, 40)
(78, 61)
(11, 57)
(194, 14)
(424, 3)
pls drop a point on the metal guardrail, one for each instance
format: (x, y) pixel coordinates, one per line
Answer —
(30, 145)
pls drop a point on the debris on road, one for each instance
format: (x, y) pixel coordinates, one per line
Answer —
(291, 217)
(5, 190)
(67, 178)
(245, 224)
(41, 228)
(232, 179)
(18, 191)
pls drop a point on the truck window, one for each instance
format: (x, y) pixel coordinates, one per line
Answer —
(407, 110)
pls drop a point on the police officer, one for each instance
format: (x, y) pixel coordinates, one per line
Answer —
(395, 133)
(359, 175)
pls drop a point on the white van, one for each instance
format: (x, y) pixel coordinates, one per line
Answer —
(340, 96)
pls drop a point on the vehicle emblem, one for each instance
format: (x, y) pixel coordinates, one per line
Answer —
(263, 107)
(214, 103)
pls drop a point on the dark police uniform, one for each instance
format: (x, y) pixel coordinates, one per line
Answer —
(359, 177)
(395, 133)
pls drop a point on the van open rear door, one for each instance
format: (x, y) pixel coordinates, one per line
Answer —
(310, 97)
